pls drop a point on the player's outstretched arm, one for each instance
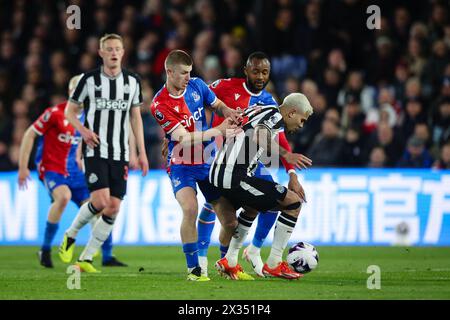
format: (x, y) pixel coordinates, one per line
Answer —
(187, 139)
(71, 112)
(138, 130)
(224, 111)
(24, 156)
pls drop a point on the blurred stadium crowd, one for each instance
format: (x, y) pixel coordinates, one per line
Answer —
(381, 97)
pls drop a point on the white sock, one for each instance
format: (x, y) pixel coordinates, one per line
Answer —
(283, 230)
(240, 234)
(252, 250)
(99, 234)
(93, 221)
(85, 214)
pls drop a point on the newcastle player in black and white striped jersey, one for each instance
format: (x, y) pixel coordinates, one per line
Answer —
(233, 169)
(111, 97)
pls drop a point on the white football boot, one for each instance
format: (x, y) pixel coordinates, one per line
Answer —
(203, 262)
(253, 256)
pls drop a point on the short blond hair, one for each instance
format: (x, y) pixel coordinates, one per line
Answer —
(176, 57)
(298, 101)
(110, 36)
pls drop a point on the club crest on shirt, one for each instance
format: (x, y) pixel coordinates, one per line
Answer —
(195, 96)
(93, 178)
(273, 120)
(280, 188)
(126, 88)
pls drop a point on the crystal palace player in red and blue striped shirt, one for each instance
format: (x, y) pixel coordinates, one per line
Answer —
(179, 108)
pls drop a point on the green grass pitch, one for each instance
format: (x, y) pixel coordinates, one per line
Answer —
(406, 273)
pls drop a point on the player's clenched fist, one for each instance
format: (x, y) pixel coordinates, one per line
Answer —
(90, 137)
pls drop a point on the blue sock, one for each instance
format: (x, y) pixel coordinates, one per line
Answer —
(223, 251)
(107, 249)
(265, 222)
(191, 252)
(50, 231)
(205, 227)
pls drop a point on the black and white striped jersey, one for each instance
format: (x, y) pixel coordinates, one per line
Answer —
(239, 155)
(107, 102)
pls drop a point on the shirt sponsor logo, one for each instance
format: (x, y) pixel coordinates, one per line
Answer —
(188, 121)
(106, 104)
(68, 138)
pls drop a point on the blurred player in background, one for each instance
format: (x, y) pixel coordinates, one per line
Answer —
(111, 97)
(60, 170)
(179, 108)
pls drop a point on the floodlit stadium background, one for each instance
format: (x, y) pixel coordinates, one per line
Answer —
(402, 90)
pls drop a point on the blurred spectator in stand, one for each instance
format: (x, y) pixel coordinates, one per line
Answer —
(444, 159)
(385, 137)
(441, 123)
(401, 76)
(422, 131)
(233, 63)
(377, 158)
(352, 115)
(355, 84)
(354, 153)
(414, 114)
(415, 58)
(381, 66)
(415, 155)
(331, 85)
(402, 23)
(291, 85)
(327, 147)
(435, 66)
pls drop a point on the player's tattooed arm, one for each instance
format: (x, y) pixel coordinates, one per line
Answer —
(185, 138)
(224, 111)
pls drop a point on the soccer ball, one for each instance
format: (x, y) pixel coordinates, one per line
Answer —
(303, 257)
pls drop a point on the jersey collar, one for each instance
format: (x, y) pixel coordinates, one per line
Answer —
(175, 97)
(249, 92)
(109, 77)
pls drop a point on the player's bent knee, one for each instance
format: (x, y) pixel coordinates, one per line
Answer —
(229, 225)
(295, 206)
(63, 200)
